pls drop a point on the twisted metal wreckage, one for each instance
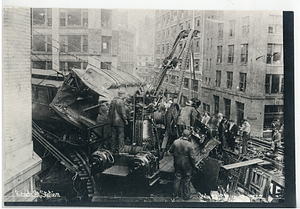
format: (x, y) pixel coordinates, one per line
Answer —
(69, 131)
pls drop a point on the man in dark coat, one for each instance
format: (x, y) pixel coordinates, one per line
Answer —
(276, 142)
(275, 125)
(222, 129)
(118, 119)
(184, 162)
(231, 134)
(246, 130)
(187, 117)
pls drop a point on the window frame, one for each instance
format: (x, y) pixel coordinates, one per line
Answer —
(46, 40)
(227, 107)
(65, 46)
(243, 82)
(64, 18)
(220, 30)
(245, 25)
(271, 54)
(229, 79)
(219, 54)
(218, 78)
(230, 54)
(244, 53)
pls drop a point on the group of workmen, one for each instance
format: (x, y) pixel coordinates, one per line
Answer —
(181, 147)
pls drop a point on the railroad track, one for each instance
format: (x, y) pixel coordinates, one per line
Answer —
(74, 161)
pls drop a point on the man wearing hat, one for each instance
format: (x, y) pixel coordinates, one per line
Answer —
(246, 128)
(186, 118)
(184, 162)
(118, 119)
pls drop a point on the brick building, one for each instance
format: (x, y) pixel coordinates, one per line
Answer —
(238, 62)
(20, 163)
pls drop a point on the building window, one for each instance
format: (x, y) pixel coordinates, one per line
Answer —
(69, 65)
(106, 44)
(219, 54)
(244, 53)
(227, 107)
(186, 83)
(275, 24)
(73, 17)
(243, 81)
(210, 43)
(174, 30)
(42, 17)
(220, 30)
(85, 18)
(196, 65)
(229, 80)
(240, 112)
(218, 78)
(173, 80)
(245, 29)
(195, 85)
(206, 107)
(216, 100)
(274, 83)
(106, 65)
(207, 43)
(197, 22)
(231, 28)
(42, 43)
(271, 112)
(230, 53)
(106, 18)
(74, 43)
(209, 63)
(45, 65)
(274, 52)
(181, 26)
(188, 24)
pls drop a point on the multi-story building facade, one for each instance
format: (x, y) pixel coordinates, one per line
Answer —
(239, 63)
(67, 38)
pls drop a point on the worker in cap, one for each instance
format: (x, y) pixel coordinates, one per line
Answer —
(118, 120)
(184, 162)
(186, 118)
(246, 130)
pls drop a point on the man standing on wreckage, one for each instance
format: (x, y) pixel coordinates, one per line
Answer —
(184, 162)
(118, 119)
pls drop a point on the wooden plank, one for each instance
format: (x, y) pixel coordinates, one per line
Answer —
(168, 163)
(244, 163)
(203, 153)
(117, 170)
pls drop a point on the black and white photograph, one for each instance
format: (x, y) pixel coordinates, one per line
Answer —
(127, 107)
